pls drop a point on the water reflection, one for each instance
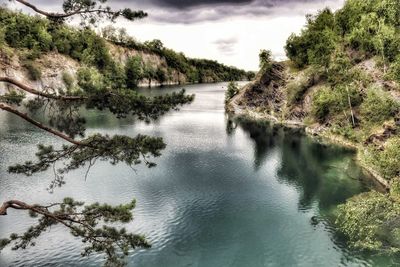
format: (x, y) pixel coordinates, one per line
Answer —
(226, 193)
(323, 174)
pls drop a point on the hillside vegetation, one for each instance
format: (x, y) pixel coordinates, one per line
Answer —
(31, 46)
(341, 82)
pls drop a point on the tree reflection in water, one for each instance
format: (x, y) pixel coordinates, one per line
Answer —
(325, 175)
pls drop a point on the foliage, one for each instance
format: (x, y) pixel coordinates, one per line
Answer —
(339, 68)
(265, 58)
(297, 88)
(388, 160)
(133, 72)
(328, 101)
(368, 26)
(101, 84)
(12, 97)
(316, 42)
(34, 73)
(68, 79)
(394, 70)
(97, 147)
(378, 105)
(233, 89)
(86, 223)
(371, 220)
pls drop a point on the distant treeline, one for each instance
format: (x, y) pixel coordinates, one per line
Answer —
(35, 36)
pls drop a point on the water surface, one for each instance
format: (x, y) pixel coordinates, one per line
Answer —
(224, 193)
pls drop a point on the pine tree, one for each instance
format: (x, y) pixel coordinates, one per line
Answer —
(94, 90)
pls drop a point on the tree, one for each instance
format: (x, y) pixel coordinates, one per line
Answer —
(133, 72)
(233, 89)
(95, 89)
(265, 57)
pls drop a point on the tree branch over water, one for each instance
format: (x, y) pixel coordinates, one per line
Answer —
(99, 86)
(84, 222)
(90, 10)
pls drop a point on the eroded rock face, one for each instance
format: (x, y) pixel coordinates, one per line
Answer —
(54, 65)
(266, 91)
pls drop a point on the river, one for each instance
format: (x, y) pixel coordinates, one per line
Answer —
(224, 193)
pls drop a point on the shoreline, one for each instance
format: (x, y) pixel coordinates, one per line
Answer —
(316, 134)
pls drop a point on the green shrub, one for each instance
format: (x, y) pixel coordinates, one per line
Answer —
(328, 101)
(297, 89)
(133, 72)
(114, 76)
(378, 106)
(2, 37)
(233, 89)
(34, 72)
(339, 67)
(388, 160)
(394, 70)
(68, 79)
(370, 221)
(322, 103)
(161, 75)
(90, 79)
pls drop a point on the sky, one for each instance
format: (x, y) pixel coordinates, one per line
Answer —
(229, 31)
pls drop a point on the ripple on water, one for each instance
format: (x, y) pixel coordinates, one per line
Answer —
(218, 197)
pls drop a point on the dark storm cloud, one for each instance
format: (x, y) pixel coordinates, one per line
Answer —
(193, 11)
(182, 4)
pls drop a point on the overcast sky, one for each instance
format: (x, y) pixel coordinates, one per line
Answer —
(230, 31)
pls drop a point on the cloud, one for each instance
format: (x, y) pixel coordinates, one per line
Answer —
(198, 11)
(189, 12)
(226, 46)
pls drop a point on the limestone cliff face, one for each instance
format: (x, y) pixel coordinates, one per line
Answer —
(121, 55)
(53, 65)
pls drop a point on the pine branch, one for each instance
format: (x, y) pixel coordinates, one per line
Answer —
(79, 7)
(38, 124)
(83, 222)
(33, 91)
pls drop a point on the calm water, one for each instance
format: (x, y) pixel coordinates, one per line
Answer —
(223, 194)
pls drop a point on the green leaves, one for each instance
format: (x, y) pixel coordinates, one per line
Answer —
(378, 105)
(89, 223)
(371, 221)
(233, 89)
(116, 149)
(12, 97)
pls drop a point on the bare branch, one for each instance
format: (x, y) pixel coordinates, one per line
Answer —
(39, 125)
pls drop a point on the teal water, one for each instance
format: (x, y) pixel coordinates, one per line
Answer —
(224, 193)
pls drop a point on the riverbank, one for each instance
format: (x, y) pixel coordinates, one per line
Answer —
(317, 132)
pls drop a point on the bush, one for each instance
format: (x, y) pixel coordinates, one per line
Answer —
(133, 72)
(34, 73)
(297, 89)
(328, 101)
(233, 89)
(90, 79)
(265, 58)
(115, 76)
(2, 37)
(68, 79)
(370, 221)
(161, 75)
(388, 160)
(339, 67)
(378, 106)
(322, 103)
(394, 70)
